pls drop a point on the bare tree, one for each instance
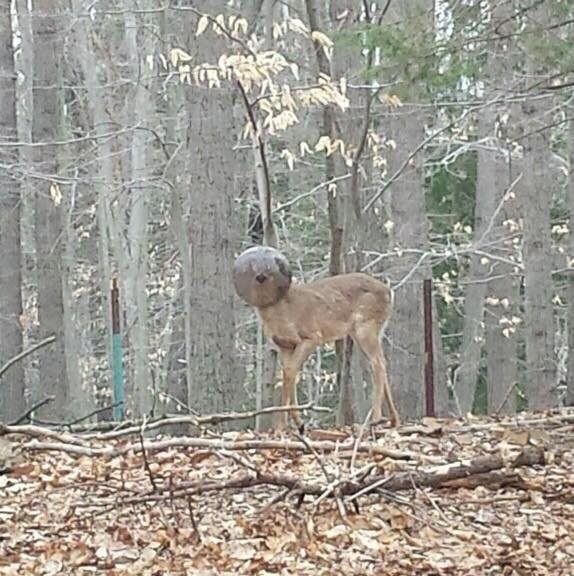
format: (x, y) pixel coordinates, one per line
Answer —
(535, 195)
(139, 108)
(98, 119)
(46, 130)
(215, 379)
(409, 232)
(570, 383)
(492, 280)
(12, 385)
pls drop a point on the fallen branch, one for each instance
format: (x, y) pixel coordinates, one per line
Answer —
(529, 456)
(76, 449)
(217, 444)
(552, 420)
(493, 479)
(203, 420)
(40, 432)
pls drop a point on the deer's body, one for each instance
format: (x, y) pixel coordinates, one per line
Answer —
(326, 310)
(309, 315)
(299, 317)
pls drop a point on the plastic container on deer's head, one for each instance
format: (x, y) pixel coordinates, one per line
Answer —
(261, 276)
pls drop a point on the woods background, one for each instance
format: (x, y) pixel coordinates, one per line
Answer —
(152, 141)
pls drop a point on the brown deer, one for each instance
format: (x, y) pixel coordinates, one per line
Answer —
(299, 317)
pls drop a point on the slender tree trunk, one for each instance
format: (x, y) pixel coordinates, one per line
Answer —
(336, 219)
(24, 70)
(406, 204)
(348, 62)
(406, 325)
(487, 278)
(503, 314)
(535, 195)
(12, 385)
(570, 383)
(135, 281)
(480, 267)
(536, 199)
(216, 382)
(104, 182)
(328, 129)
(46, 128)
(267, 358)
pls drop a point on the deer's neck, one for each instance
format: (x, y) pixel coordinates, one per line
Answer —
(276, 313)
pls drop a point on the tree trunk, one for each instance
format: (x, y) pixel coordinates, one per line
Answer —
(487, 277)
(46, 128)
(570, 383)
(135, 280)
(535, 196)
(97, 101)
(502, 329)
(216, 382)
(12, 385)
(406, 325)
(503, 315)
(406, 204)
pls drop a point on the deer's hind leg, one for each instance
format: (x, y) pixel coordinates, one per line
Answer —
(367, 337)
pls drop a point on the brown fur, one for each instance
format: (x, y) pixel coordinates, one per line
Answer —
(309, 315)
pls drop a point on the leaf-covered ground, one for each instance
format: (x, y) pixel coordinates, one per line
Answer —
(169, 513)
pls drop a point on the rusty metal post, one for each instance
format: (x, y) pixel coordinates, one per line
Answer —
(429, 351)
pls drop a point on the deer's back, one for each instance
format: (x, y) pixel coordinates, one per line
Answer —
(331, 308)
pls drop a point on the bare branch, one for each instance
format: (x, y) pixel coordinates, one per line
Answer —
(26, 414)
(25, 353)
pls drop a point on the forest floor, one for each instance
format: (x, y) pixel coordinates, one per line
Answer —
(439, 497)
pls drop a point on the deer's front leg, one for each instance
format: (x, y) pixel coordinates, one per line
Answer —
(292, 360)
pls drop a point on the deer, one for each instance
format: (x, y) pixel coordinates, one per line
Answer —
(297, 318)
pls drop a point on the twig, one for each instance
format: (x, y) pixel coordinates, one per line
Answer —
(376, 484)
(238, 459)
(359, 438)
(144, 456)
(93, 413)
(311, 192)
(262, 173)
(24, 416)
(517, 423)
(334, 487)
(319, 460)
(431, 501)
(497, 210)
(25, 353)
(411, 272)
(214, 21)
(506, 396)
(277, 498)
(426, 141)
(357, 477)
(192, 518)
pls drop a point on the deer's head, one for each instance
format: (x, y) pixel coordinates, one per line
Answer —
(261, 276)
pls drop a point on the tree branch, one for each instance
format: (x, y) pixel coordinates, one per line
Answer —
(25, 353)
